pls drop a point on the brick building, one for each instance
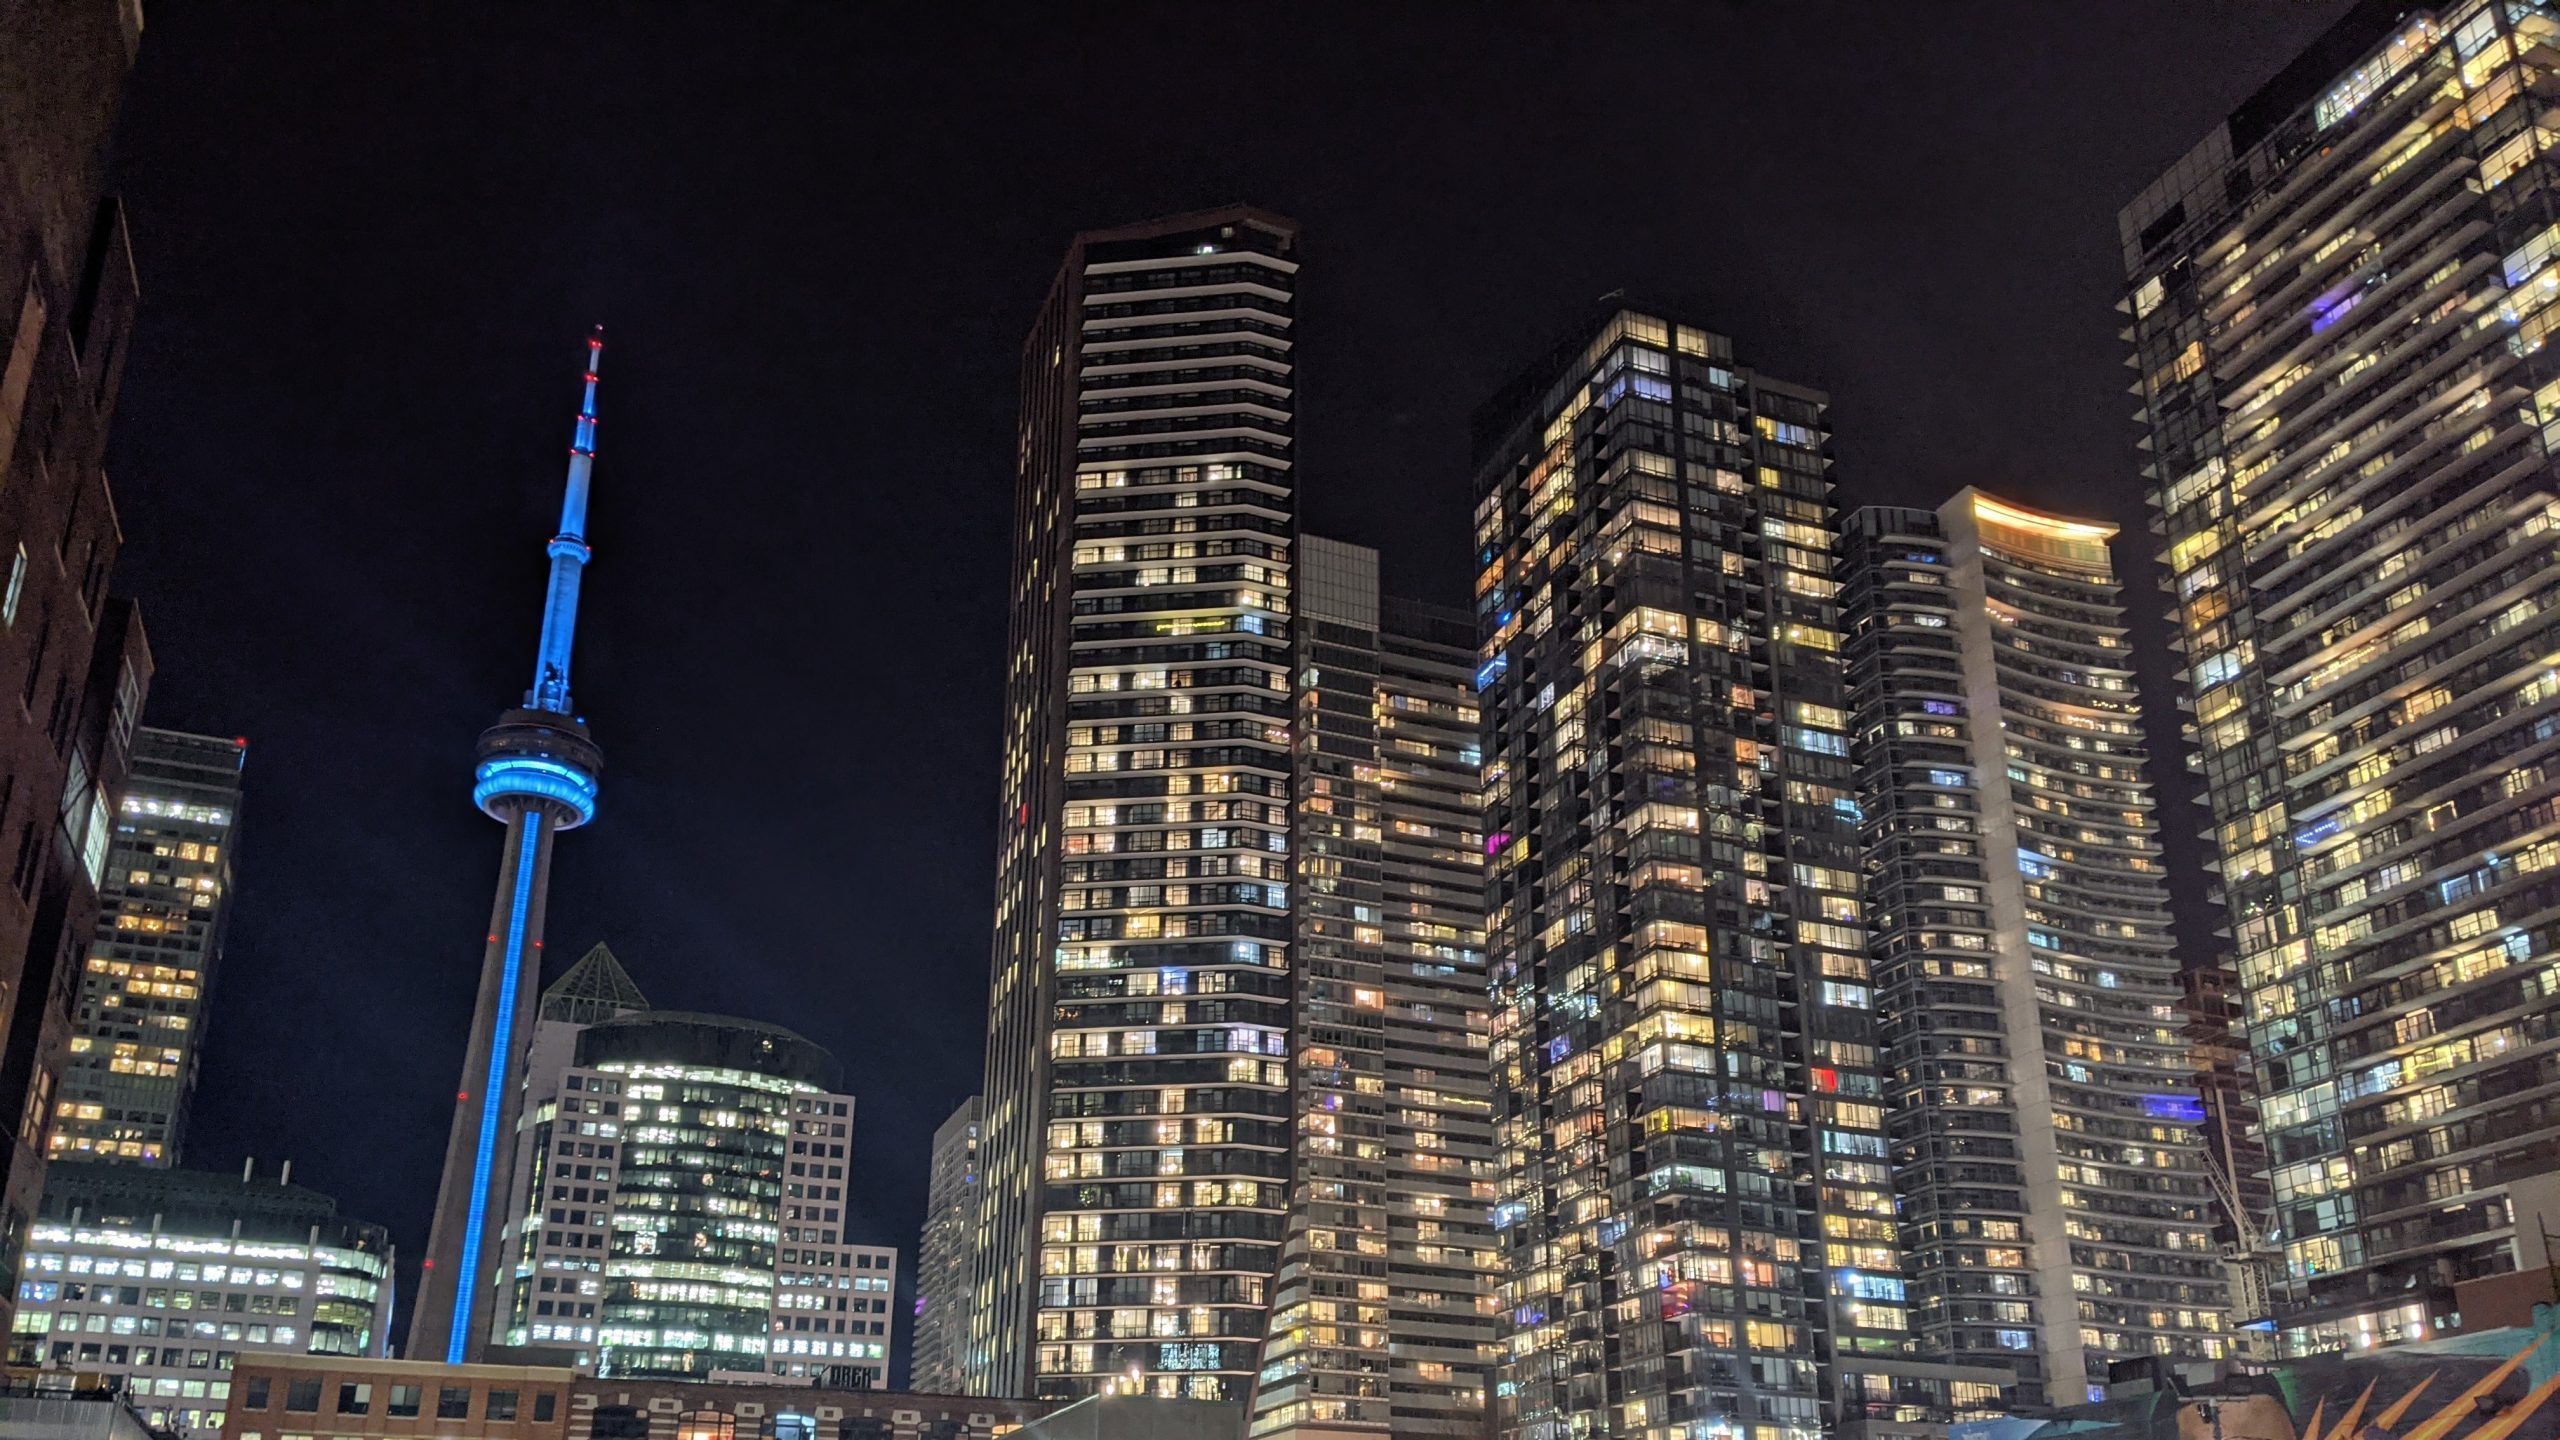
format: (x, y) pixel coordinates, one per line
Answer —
(71, 655)
(285, 1397)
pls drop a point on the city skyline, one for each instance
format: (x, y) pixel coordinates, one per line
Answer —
(633, 654)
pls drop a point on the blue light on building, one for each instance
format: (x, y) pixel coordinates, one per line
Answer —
(494, 1089)
(536, 774)
(2186, 1109)
(512, 778)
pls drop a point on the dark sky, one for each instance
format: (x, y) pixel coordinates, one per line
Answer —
(372, 237)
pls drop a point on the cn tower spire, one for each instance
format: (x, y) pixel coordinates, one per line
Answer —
(569, 554)
(536, 776)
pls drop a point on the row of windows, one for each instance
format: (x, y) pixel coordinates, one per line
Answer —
(355, 1397)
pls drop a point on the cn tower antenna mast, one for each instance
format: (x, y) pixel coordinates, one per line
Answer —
(536, 776)
(569, 555)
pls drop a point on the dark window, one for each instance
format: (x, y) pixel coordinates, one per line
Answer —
(30, 859)
(35, 663)
(453, 1402)
(253, 1395)
(619, 1422)
(501, 1406)
(354, 1398)
(404, 1400)
(303, 1396)
(545, 1405)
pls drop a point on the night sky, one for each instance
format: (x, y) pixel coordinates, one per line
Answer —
(371, 240)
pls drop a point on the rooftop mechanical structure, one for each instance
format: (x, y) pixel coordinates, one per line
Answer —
(536, 776)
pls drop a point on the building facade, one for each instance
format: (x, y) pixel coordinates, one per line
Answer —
(2338, 310)
(282, 1398)
(537, 776)
(554, 1266)
(683, 1211)
(73, 655)
(1696, 1214)
(299, 1397)
(168, 1278)
(943, 1257)
(1442, 1170)
(2049, 1141)
(1381, 1316)
(138, 1034)
(1137, 1107)
(613, 1409)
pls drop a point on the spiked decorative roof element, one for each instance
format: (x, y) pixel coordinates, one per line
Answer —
(596, 988)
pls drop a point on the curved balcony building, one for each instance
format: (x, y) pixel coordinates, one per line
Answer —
(2340, 313)
(2047, 1129)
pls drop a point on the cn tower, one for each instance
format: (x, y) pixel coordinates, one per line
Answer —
(537, 777)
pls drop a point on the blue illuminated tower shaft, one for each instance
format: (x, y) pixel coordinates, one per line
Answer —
(537, 776)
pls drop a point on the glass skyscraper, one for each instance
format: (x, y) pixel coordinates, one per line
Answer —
(682, 1206)
(1696, 1213)
(2339, 309)
(2048, 1135)
(138, 1034)
(1137, 1105)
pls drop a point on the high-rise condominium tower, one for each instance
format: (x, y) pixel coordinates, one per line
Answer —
(1137, 1123)
(1381, 1318)
(139, 1031)
(1696, 1213)
(2341, 320)
(71, 655)
(537, 777)
(943, 1258)
(2047, 1131)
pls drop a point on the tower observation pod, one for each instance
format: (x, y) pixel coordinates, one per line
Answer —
(536, 776)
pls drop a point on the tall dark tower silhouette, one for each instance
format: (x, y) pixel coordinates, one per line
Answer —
(537, 777)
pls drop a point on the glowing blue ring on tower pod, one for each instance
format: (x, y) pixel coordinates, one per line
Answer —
(511, 776)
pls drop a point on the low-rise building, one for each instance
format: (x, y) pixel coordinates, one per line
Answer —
(69, 1407)
(289, 1397)
(831, 1311)
(613, 1409)
(1140, 1417)
(166, 1279)
(302, 1397)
